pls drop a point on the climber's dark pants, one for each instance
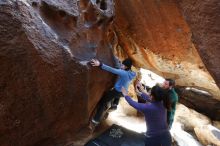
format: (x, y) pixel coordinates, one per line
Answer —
(163, 139)
(105, 100)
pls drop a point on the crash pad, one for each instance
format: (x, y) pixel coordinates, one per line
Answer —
(117, 136)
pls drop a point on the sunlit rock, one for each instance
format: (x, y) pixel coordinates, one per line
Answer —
(190, 118)
(125, 106)
(155, 34)
(208, 135)
(216, 124)
(182, 137)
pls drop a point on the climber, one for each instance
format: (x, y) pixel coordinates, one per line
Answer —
(125, 75)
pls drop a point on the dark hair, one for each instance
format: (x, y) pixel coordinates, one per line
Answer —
(128, 63)
(147, 88)
(160, 94)
(171, 82)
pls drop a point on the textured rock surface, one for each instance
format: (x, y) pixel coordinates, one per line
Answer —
(184, 115)
(200, 101)
(208, 135)
(216, 124)
(47, 90)
(182, 137)
(189, 123)
(203, 17)
(154, 33)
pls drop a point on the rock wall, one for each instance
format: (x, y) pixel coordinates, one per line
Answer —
(200, 101)
(155, 34)
(47, 88)
(203, 18)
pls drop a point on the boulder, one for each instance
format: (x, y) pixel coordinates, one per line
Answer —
(48, 90)
(216, 124)
(157, 37)
(203, 19)
(199, 100)
(182, 137)
(208, 135)
(190, 118)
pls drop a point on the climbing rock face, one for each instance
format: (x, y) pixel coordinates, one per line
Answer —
(203, 18)
(47, 87)
(155, 34)
(48, 90)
